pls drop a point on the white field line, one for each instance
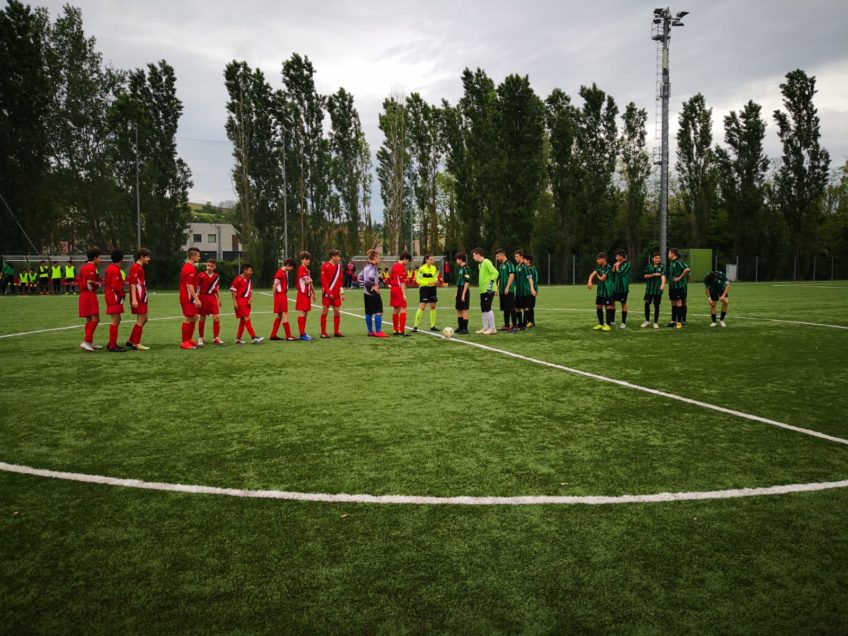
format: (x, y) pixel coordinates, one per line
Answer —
(530, 500)
(809, 285)
(80, 326)
(636, 387)
(730, 317)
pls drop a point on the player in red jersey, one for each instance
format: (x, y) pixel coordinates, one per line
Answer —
(208, 288)
(89, 308)
(397, 295)
(332, 293)
(189, 298)
(305, 294)
(281, 301)
(138, 298)
(113, 293)
(242, 291)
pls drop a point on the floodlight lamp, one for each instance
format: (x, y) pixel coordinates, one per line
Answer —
(657, 20)
(658, 11)
(682, 14)
(677, 23)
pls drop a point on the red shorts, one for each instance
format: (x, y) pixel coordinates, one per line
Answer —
(209, 306)
(189, 310)
(88, 304)
(327, 301)
(242, 310)
(397, 298)
(114, 309)
(303, 302)
(281, 304)
(141, 309)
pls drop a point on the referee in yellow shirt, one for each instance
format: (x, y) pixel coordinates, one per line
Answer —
(428, 282)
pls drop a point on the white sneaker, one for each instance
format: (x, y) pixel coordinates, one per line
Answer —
(480, 331)
(86, 346)
(623, 326)
(656, 325)
(239, 341)
(713, 324)
(723, 324)
(258, 340)
(200, 342)
(96, 346)
(645, 324)
(490, 332)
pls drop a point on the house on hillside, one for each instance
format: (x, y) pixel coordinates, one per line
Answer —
(214, 239)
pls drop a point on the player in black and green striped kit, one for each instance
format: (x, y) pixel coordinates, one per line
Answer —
(506, 289)
(463, 294)
(717, 286)
(534, 276)
(678, 277)
(654, 275)
(603, 299)
(523, 289)
(621, 285)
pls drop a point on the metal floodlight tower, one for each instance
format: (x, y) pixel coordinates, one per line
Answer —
(661, 33)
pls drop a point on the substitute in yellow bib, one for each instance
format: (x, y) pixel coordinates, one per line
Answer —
(70, 278)
(56, 277)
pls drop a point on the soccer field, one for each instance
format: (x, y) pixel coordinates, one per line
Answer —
(558, 480)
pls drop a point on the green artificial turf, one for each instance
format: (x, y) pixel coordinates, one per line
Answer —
(426, 416)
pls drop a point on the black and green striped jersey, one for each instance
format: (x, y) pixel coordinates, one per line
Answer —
(621, 278)
(522, 282)
(534, 273)
(718, 283)
(604, 286)
(653, 285)
(504, 270)
(675, 269)
(463, 275)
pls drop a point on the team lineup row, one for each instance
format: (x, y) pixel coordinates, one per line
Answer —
(514, 282)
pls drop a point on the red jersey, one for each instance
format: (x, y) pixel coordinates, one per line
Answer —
(281, 282)
(243, 287)
(397, 276)
(136, 279)
(188, 276)
(331, 279)
(207, 284)
(304, 281)
(88, 280)
(113, 285)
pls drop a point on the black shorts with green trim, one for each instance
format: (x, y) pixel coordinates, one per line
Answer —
(620, 297)
(507, 302)
(677, 294)
(604, 300)
(653, 298)
(462, 305)
(522, 301)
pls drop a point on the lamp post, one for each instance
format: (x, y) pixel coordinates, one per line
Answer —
(663, 21)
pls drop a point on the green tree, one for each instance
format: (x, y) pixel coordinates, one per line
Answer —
(834, 228)
(394, 172)
(518, 156)
(347, 141)
(696, 168)
(426, 152)
(802, 175)
(557, 232)
(743, 167)
(25, 100)
(635, 168)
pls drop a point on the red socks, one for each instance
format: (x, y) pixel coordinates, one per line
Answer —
(301, 325)
(135, 335)
(89, 331)
(337, 323)
(395, 322)
(113, 336)
(216, 328)
(324, 324)
(277, 322)
(240, 332)
(402, 322)
(249, 326)
(288, 329)
(188, 331)
(200, 328)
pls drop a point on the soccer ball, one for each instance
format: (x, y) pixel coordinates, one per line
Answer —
(447, 332)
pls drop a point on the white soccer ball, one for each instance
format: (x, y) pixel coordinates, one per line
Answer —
(447, 332)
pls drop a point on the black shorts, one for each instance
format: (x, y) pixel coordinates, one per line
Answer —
(427, 295)
(604, 300)
(653, 298)
(620, 297)
(463, 305)
(522, 301)
(532, 304)
(507, 302)
(373, 304)
(677, 294)
(714, 297)
(486, 301)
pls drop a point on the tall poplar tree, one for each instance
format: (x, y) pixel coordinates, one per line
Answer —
(635, 168)
(696, 168)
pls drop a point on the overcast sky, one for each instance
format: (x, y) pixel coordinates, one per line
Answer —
(730, 51)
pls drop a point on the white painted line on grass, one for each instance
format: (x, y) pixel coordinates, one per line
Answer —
(528, 500)
(809, 285)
